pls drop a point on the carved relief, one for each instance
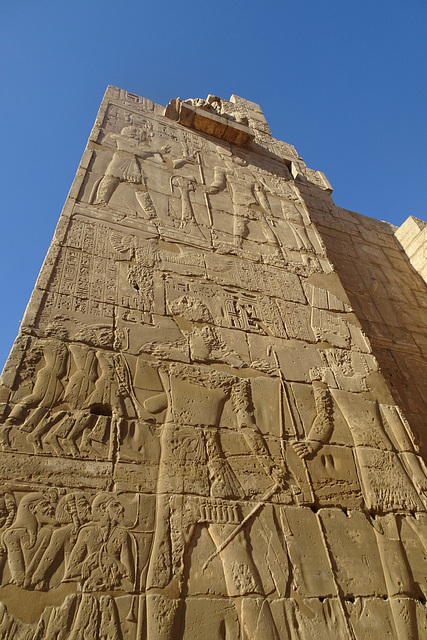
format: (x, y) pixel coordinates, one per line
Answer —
(197, 440)
(387, 487)
(51, 537)
(132, 147)
(249, 199)
(47, 389)
(192, 461)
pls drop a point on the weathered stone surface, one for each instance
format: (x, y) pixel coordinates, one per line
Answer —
(212, 421)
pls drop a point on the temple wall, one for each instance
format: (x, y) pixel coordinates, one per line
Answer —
(211, 419)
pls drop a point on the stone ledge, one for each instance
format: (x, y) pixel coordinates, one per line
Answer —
(214, 125)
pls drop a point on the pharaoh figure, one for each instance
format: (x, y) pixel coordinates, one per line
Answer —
(48, 385)
(249, 198)
(196, 485)
(125, 166)
(390, 473)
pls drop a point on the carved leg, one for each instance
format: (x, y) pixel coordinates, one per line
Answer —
(302, 235)
(45, 422)
(163, 617)
(61, 429)
(4, 437)
(257, 621)
(97, 434)
(397, 576)
(106, 188)
(242, 579)
(15, 556)
(16, 416)
(31, 423)
(86, 619)
(84, 421)
(405, 618)
(165, 577)
(18, 413)
(268, 232)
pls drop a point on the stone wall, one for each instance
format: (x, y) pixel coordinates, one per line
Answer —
(212, 415)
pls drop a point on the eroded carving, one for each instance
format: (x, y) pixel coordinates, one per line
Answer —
(248, 196)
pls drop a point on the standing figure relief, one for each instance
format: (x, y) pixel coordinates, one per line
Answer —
(72, 512)
(249, 199)
(103, 556)
(197, 487)
(28, 536)
(394, 486)
(125, 167)
(132, 148)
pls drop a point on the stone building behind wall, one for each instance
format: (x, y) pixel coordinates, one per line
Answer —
(213, 417)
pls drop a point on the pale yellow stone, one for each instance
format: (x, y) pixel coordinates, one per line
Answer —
(212, 418)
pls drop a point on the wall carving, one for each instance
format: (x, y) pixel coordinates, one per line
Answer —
(196, 437)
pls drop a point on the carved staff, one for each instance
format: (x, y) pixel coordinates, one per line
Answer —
(285, 524)
(284, 395)
(202, 180)
(126, 385)
(271, 491)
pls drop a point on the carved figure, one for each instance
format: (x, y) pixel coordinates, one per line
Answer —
(27, 538)
(72, 512)
(113, 388)
(249, 198)
(185, 186)
(387, 486)
(67, 426)
(193, 464)
(132, 146)
(125, 167)
(81, 383)
(48, 388)
(111, 399)
(7, 516)
(103, 556)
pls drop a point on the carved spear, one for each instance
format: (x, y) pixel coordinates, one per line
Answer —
(284, 394)
(203, 181)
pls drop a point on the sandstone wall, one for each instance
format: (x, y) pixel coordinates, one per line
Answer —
(211, 417)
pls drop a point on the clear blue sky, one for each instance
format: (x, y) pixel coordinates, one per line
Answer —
(343, 81)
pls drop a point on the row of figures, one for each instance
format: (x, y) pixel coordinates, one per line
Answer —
(79, 617)
(47, 538)
(248, 189)
(69, 414)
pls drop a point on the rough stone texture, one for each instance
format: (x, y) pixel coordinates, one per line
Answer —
(212, 417)
(412, 236)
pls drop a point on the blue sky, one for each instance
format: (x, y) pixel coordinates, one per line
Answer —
(343, 81)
